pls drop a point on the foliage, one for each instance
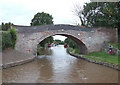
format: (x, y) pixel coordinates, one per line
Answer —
(38, 51)
(0, 27)
(58, 42)
(41, 19)
(13, 33)
(9, 38)
(96, 14)
(6, 26)
(6, 39)
(75, 50)
(71, 43)
(46, 40)
(69, 49)
(103, 56)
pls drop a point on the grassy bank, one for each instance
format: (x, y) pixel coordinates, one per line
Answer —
(100, 56)
(76, 50)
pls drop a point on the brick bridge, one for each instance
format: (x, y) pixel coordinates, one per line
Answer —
(88, 39)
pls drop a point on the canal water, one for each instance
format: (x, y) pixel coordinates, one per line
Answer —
(57, 66)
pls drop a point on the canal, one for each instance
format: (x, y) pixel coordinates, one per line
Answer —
(57, 66)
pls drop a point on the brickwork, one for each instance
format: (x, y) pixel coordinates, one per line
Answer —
(88, 39)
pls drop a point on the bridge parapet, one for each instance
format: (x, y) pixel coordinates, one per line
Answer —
(33, 29)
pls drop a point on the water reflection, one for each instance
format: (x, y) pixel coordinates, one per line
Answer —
(45, 51)
(57, 66)
(46, 72)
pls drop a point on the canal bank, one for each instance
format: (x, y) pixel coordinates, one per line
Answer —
(113, 66)
(11, 58)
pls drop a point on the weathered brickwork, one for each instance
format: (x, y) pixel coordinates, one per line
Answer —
(89, 39)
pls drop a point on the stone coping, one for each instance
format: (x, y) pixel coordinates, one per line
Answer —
(114, 66)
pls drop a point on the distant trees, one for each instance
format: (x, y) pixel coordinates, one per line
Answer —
(57, 41)
(41, 19)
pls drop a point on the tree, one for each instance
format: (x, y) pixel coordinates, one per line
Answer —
(101, 14)
(79, 12)
(41, 19)
(96, 14)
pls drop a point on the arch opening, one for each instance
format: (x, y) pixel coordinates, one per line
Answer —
(82, 47)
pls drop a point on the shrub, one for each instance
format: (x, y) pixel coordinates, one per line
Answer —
(13, 33)
(6, 39)
(9, 38)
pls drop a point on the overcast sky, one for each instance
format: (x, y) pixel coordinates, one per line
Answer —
(20, 12)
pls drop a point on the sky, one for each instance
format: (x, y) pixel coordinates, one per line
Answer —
(21, 12)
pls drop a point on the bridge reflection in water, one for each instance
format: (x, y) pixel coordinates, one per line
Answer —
(59, 67)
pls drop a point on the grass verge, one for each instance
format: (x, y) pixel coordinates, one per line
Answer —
(102, 56)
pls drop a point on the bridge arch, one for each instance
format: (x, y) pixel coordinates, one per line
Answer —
(82, 47)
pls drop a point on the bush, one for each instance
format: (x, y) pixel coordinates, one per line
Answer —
(9, 38)
(13, 35)
(6, 39)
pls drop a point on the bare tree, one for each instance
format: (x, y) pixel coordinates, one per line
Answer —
(78, 10)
